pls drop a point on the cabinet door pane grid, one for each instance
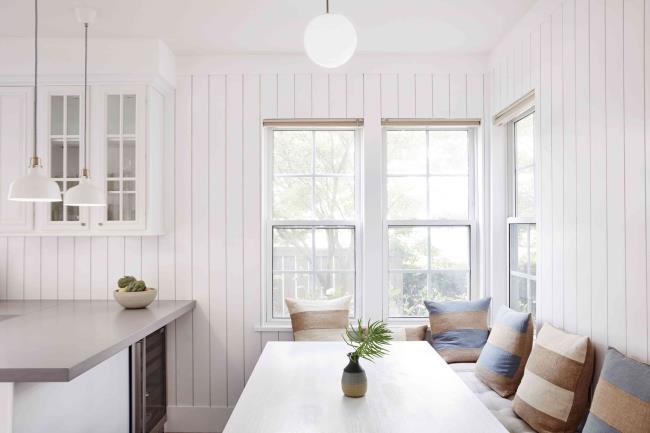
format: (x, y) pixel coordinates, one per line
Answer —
(120, 187)
(64, 164)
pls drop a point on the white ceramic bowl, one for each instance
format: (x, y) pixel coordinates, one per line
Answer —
(132, 300)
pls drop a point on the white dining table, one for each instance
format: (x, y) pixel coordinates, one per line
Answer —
(296, 388)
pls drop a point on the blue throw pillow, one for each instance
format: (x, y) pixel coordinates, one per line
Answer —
(621, 401)
(458, 328)
(503, 359)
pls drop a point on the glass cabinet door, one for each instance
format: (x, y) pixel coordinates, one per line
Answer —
(64, 139)
(122, 143)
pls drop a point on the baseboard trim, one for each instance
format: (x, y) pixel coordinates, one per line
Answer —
(201, 419)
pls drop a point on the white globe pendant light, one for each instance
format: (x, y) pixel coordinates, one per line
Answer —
(85, 193)
(35, 186)
(330, 39)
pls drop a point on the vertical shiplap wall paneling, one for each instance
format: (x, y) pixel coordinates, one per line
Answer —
(32, 268)
(458, 96)
(635, 194)
(252, 219)
(557, 172)
(183, 238)
(389, 95)
(200, 238)
(15, 267)
(217, 230)
(545, 293)
(98, 269)
(535, 83)
(320, 105)
(440, 96)
(583, 172)
(268, 110)
(302, 95)
(475, 96)
(338, 95)
(354, 95)
(3, 268)
(82, 268)
(133, 256)
(286, 101)
(598, 166)
(66, 264)
(423, 96)
(234, 222)
(594, 166)
(406, 100)
(50, 268)
(569, 166)
(615, 174)
(149, 264)
(526, 46)
(647, 153)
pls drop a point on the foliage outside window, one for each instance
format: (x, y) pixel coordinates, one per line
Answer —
(429, 207)
(313, 219)
(522, 229)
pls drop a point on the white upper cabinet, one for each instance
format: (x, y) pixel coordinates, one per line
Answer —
(126, 133)
(120, 156)
(60, 137)
(15, 148)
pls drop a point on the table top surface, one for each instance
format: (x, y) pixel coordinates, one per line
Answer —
(296, 388)
(56, 341)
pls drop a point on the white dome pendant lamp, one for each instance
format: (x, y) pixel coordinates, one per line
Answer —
(85, 193)
(330, 39)
(35, 186)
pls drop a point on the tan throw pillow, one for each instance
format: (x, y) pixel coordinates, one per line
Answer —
(319, 320)
(503, 358)
(409, 333)
(554, 391)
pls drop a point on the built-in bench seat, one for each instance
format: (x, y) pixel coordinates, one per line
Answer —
(499, 406)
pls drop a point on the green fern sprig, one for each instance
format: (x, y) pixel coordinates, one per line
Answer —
(369, 343)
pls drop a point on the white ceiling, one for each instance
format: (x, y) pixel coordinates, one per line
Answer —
(276, 26)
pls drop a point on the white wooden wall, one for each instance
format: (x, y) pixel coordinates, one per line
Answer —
(588, 63)
(212, 253)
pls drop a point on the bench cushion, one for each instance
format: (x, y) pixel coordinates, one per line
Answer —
(502, 361)
(319, 320)
(554, 391)
(500, 407)
(622, 398)
(458, 328)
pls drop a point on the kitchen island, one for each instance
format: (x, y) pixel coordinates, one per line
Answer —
(83, 345)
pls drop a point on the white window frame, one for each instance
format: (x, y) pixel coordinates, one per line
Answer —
(471, 222)
(512, 218)
(268, 223)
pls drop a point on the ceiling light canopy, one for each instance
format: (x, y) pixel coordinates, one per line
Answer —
(330, 39)
(35, 186)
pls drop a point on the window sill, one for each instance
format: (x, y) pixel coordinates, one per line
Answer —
(273, 328)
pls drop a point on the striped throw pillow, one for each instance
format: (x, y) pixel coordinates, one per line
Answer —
(502, 361)
(554, 391)
(458, 328)
(319, 320)
(409, 333)
(622, 399)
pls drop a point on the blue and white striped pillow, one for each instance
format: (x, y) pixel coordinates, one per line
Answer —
(458, 328)
(503, 359)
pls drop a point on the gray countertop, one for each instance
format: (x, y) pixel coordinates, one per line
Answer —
(56, 341)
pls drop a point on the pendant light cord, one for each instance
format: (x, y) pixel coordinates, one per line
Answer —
(85, 170)
(327, 6)
(35, 156)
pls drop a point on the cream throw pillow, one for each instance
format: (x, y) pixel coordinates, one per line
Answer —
(319, 320)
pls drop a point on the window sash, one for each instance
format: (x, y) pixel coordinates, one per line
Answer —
(470, 222)
(514, 218)
(269, 223)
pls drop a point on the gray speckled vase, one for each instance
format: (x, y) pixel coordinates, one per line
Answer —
(354, 381)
